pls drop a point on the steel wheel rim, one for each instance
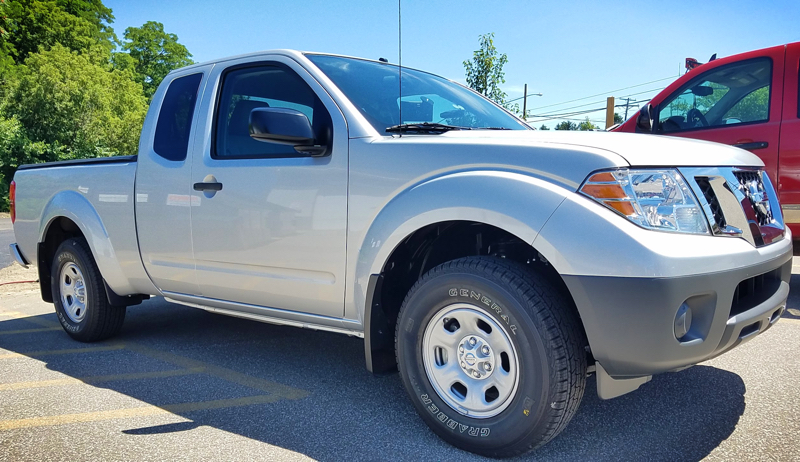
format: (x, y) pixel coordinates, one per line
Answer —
(73, 292)
(470, 360)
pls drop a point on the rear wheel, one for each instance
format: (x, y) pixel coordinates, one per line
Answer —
(79, 294)
(492, 357)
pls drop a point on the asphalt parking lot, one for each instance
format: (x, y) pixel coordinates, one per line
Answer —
(183, 384)
(6, 238)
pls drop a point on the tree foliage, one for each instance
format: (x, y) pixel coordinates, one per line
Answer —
(586, 125)
(64, 99)
(155, 53)
(33, 25)
(544, 127)
(567, 125)
(485, 71)
(64, 92)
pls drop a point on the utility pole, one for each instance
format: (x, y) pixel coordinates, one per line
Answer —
(525, 96)
(609, 111)
(525, 103)
(628, 103)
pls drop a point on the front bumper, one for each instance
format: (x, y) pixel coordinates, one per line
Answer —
(630, 322)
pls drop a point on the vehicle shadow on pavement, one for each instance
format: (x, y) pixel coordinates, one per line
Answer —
(328, 407)
(794, 298)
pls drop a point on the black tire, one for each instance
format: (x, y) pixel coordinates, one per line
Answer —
(97, 319)
(542, 326)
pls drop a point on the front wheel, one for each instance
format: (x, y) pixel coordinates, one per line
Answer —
(491, 355)
(79, 294)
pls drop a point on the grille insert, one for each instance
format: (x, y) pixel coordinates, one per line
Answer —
(751, 185)
(711, 198)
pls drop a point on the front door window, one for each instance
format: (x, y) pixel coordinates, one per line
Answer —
(730, 95)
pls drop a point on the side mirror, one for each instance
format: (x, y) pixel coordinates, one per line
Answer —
(284, 126)
(645, 121)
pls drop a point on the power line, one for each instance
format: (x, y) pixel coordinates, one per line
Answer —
(606, 93)
(594, 102)
(567, 115)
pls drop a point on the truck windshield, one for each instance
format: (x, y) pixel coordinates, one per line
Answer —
(427, 99)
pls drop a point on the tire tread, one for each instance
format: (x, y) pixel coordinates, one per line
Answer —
(561, 331)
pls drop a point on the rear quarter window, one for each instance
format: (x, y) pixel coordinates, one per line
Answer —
(175, 118)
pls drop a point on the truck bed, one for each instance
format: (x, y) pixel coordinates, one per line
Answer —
(97, 196)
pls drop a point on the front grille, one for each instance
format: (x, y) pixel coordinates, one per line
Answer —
(713, 202)
(754, 291)
(738, 202)
(751, 185)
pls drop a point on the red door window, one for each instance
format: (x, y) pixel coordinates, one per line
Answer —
(736, 103)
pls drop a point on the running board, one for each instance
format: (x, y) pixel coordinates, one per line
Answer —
(268, 319)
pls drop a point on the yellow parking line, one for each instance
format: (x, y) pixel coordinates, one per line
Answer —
(98, 379)
(36, 354)
(29, 331)
(284, 391)
(229, 375)
(144, 411)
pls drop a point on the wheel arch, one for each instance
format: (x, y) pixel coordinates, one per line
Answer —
(462, 215)
(71, 215)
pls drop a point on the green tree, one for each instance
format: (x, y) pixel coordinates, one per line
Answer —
(7, 51)
(618, 118)
(485, 71)
(33, 24)
(155, 52)
(77, 107)
(567, 125)
(544, 127)
(16, 149)
(91, 10)
(587, 125)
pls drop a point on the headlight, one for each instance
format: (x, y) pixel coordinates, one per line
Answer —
(652, 198)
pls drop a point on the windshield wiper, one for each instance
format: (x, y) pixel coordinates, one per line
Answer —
(424, 127)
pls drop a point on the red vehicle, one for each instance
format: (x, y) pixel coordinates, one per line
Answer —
(749, 100)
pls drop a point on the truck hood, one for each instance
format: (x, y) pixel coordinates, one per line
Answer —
(638, 150)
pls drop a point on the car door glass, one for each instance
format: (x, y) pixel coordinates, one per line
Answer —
(273, 86)
(734, 94)
(175, 118)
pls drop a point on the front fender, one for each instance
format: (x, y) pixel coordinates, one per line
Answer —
(517, 203)
(76, 207)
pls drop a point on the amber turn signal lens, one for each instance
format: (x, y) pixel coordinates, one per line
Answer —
(604, 191)
(623, 207)
(602, 177)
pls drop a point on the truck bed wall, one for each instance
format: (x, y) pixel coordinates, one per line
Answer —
(98, 197)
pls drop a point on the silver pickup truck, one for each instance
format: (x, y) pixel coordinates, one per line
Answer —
(495, 266)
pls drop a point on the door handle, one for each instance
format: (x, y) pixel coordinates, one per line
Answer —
(210, 186)
(752, 146)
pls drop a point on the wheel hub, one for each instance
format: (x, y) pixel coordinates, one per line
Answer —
(476, 357)
(73, 292)
(470, 360)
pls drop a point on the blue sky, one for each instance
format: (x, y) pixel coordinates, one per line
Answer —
(564, 50)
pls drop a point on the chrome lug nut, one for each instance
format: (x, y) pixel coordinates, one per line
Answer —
(476, 374)
(463, 365)
(461, 349)
(488, 367)
(485, 350)
(472, 341)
